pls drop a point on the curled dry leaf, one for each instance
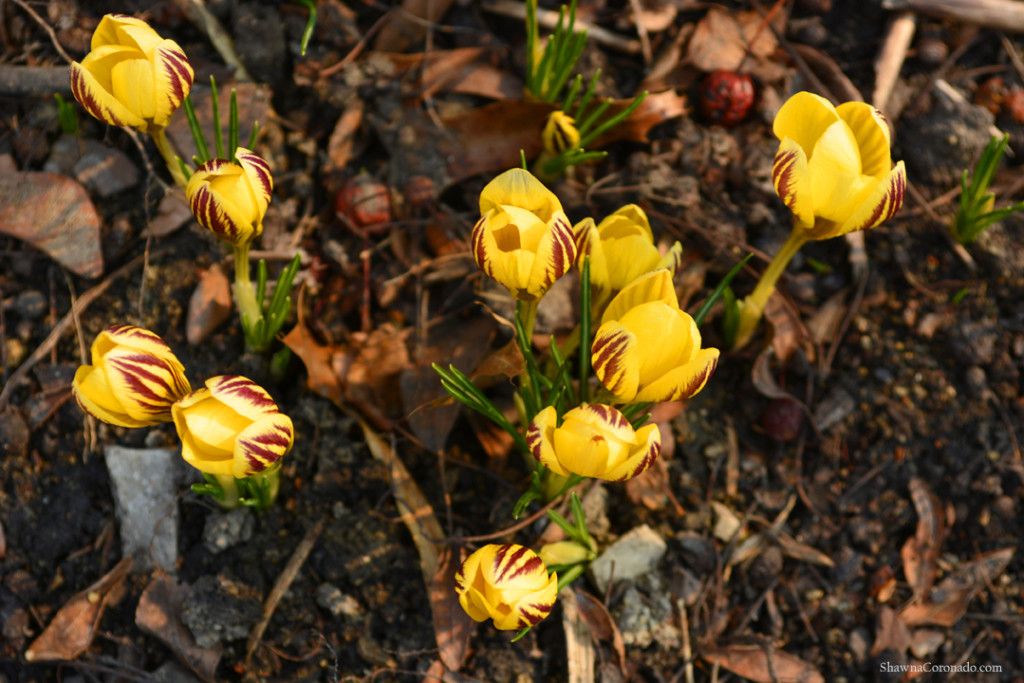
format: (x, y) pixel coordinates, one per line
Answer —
(948, 601)
(209, 305)
(891, 632)
(921, 551)
(54, 214)
(763, 664)
(159, 614)
(72, 629)
(602, 626)
(721, 39)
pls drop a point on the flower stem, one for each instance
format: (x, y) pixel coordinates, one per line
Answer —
(752, 307)
(159, 136)
(245, 294)
(230, 488)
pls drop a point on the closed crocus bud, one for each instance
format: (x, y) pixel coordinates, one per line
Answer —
(565, 553)
(132, 77)
(647, 350)
(133, 380)
(833, 168)
(506, 583)
(621, 249)
(523, 238)
(593, 441)
(232, 427)
(560, 134)
(229, 198)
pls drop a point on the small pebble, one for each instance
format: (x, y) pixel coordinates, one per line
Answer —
(227, 528)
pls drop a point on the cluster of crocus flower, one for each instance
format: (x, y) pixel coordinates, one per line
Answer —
(645, 350)
(230, 430)
(834, 171)
(134, 78)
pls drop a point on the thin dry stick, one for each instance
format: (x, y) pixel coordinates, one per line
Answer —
(58, 330)
(549, 19)
(49, 29)
(284, 581)
(641, 31)
(891, 57)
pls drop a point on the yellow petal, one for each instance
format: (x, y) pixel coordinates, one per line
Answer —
(172, 75)
(614, 357)
(667, 338)
(642, 456)
(214, 192)
(804, 118)
(98, 100)
(143, 384)
(116, 29)
(555, 255)
(519, 188)
(137, 338)
(132, 85)
(837, 184)
(533, 608)
(262, 444)
(92, 392)
(672, 261)
(627, 221)
(261, 181)
(540, 439)
(213, 426)
(588, 243)
(629, 258)
(682, 382)
(603, 419)
(872, 133)
(583, 450)
(653, 286)
(244, 396)
(881, 205)
(793, 182)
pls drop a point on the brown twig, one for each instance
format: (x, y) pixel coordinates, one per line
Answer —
(284, 581)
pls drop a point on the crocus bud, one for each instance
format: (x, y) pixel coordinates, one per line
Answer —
(523, 238)
(132, 77)
(560, 134)
(593, 441)
(647, 350)
(232, 427)
(833, 168)
(506, 583)
(565, 553)
(621, 249)
(133, 380)
(230, 199)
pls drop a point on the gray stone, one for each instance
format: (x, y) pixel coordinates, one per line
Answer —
(145, 484)
(106, 172)
(633, 555)
(645, 616)
(219, 609)
(227, 528)
(337, 603)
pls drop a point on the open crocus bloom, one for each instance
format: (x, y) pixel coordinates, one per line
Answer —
(506, 583)
(523, 238)
(621, 249)
(132, 76)
(133, 380)
(647, 349)
(593, 441)
(231, 199)
(232, 427)
(833, 168)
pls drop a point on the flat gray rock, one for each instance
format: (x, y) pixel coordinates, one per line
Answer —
(633, 555)
(145, 482)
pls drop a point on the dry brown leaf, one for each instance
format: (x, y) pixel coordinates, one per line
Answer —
(507, 361)
(891, 632)
(802, 552)
(318, 359)
(920, 552)
(54, 214)
(159, 614)
(763, 664)
(72, 629)
(824, 324)
(601, 624)
(341, 145)
(452, 626)
(656, 15)
(788, 333)
(408, 24)
(458, 70)
(721, 38)
(948, 600)
(209, 305)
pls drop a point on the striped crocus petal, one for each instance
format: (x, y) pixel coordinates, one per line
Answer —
(257, 171)
(880, 206)
(262, 444)
(641, 457)
(145, 385)
(540, 439)
(615, 360)
(871, 131)
(603, 419)
(92, 393)
(212, 210)
(242, 395)
(518, 575)
(672, 261)
(793, 182)
(99, 101)
(173, 76)
(555, 256)
(681, 382)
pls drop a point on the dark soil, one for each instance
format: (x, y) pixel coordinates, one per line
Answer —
(918, 383)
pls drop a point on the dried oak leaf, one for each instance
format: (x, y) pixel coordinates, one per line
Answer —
(72, 629)
(948, 600)
(763, 664)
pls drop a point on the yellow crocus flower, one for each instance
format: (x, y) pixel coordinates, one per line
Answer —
(559, 134)
(230, 199)
(647, 349)
(133, 380)
(593, 441)
(523, 238)
(506, 583)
